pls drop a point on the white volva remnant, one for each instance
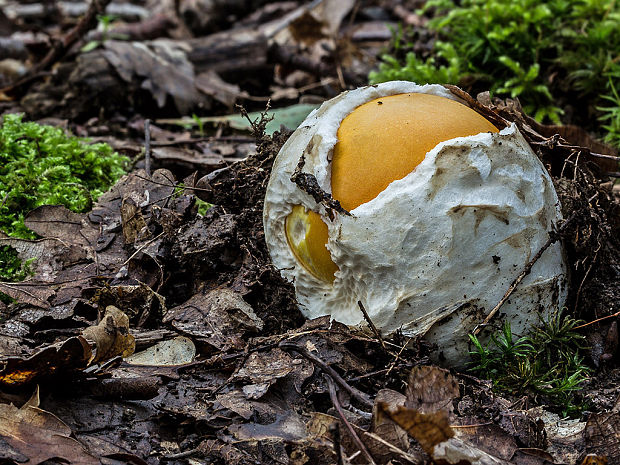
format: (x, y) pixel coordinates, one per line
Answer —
(435, 251)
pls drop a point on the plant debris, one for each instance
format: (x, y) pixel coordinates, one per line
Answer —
(171, 261)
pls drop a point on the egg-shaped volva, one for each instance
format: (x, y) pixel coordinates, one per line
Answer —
(445, 211)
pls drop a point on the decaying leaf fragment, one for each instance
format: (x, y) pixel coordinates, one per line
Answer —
(431, 389)
(111, 336)
(72, 354)
(429, 429)
(30, 434)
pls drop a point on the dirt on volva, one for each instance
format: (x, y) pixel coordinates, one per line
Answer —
(152, 333)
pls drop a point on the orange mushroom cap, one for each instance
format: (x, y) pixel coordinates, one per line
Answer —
(379, 142)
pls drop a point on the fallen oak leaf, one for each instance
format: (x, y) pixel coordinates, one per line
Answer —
(30, 434)
(429, 429)
(431, 389)
(111, 336)
(70, 355)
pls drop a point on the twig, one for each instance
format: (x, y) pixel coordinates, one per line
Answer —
(397, 357)
(552, 239)
(142, 247)
(181, 455)
(334, 430)
(147, 147)
(597, 320)
(372, 325)
(168, 185)
(378, 372)
(408, 457)
(356, 393)
(60, 48)
(333, 395)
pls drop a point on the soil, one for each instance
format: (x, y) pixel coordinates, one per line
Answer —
(243, 377)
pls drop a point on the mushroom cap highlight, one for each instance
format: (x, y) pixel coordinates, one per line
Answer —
(378, 142)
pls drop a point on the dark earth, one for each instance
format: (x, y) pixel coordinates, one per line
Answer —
(235, 373)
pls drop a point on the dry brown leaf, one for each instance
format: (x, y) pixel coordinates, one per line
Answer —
(431, 389)
(602, 435)
(111, 336)
(134, 224)
(429, 429)
(30, 434)
(56, 221)
(592, 459)
(384, 427)
(72, 354)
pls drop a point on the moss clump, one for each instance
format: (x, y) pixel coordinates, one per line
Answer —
(41, 165)
(547, 53)
(547, 363)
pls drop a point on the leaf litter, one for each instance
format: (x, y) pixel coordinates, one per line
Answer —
(242, 377)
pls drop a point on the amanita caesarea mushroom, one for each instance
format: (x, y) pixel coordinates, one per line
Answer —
(445, 211)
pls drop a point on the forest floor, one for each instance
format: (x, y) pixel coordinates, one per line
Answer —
(225, 368)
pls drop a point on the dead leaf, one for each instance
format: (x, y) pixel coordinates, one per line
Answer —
(211, 84)
(30, 434)
(431, 389)
(139, 302)
(177, 351)
(111, 336)
(457, 452)
(71, 355)
(219, 318)
(163, 67)
(429, 429)
(266, 367)
(56, 221)
(134, 224)
(385, 428)
(602, 435)
(34, 294)
(592, 459)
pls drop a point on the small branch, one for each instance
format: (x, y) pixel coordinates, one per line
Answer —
(334, 431)
(356, 439)
(597, 320)
(147, 147)
(372, 325)
(408, 457)
(357, 394)
(554, 237)
(60, 48)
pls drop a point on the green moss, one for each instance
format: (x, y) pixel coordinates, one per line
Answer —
(41, 165)
(546, 363)
(533, 50)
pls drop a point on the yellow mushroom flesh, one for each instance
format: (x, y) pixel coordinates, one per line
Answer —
(379, 142)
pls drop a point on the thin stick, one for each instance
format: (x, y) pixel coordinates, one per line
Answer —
(356, 439)
(393, 448)
(597, 320)
(147, 147)
(146, 244)
(372, 325)
(359, 395)
(334, 430)
(552, 239)
(60, 48)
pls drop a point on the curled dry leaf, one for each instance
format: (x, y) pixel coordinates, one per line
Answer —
(429, 429)
(177, 351)
(431, 389)
(111, 336)
(384, 427)
(72, 354)
(30, 434)
(602, 433)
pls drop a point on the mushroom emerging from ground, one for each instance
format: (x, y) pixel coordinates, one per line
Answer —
(445, 211)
